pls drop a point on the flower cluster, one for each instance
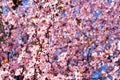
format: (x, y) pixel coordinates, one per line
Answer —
(60, 40)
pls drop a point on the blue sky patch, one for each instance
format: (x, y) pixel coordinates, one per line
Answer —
(119, 73)
(97, 13)
(77, 35)
(101, 26)
(4, 8)
(11, 53)
(58, 52)
(87, 51)
(74, 0)
(73, 78)
(76, 10)
(110, 77)
(104, 78)
(63, 14)
(104, 67)
(5, 0)
(96, 74)
(110, 1)
(25, 2)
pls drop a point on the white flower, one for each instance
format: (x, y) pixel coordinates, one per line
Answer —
(119, 45)
(18, 71)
